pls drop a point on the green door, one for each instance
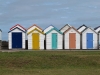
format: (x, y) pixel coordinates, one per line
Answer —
(54, 40)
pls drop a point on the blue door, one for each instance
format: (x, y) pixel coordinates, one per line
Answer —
(89, 40)
(16, 40)
(54, 40)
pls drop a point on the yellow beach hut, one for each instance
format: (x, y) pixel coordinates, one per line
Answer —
(36, 39)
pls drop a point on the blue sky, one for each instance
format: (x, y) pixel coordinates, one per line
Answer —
(47, 12)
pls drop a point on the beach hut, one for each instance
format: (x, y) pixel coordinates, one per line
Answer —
(97, 29)
(82, 27)
(64, 28)
(89, 39)
(71, 38)
(54, 39)
(16, 37)
(36, 39)
(0, 34)
(46, 30)
(0, 39)
(98, 39)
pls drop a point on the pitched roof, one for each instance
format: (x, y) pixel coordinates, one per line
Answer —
(16, 26)
(65, 26)
(48, 28)
(82, 26)
(72, 28)
(34, 25)
(96, 27)
(36, 30)
(54, 29)
(89, 28)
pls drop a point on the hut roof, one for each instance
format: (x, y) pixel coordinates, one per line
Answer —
(72, 28)
(34, 25)
(54, 29)
(16, 28)
(36, 30)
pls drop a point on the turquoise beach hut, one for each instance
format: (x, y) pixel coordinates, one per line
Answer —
(54, 39)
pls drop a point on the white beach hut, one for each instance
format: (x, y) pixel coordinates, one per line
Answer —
(35, 38)
(71, 38)
(54, 39)
(16, 37)
(97, 29)
(80, 29)
(89, 39)
(0, 39)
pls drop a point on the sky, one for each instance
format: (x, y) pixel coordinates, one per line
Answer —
(47, 12)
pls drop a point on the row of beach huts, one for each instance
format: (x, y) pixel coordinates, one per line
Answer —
(51, 38)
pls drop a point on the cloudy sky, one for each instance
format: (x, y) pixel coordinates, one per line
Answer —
(47, 12)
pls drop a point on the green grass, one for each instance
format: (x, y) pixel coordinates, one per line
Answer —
(50, 63)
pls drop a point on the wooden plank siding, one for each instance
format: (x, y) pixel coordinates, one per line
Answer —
(36, 39)
(11, 38)
(71, 39)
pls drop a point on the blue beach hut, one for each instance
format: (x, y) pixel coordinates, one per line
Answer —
(16, 37)
(89, 39)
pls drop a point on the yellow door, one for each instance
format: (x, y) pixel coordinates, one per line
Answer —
(35, 41)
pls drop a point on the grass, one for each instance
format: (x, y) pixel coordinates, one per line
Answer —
(50, 63)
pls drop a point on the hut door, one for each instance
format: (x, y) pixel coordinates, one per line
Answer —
(35, 40)
(89, 40)
(72, 40)
(54, 40)
(16, 40)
